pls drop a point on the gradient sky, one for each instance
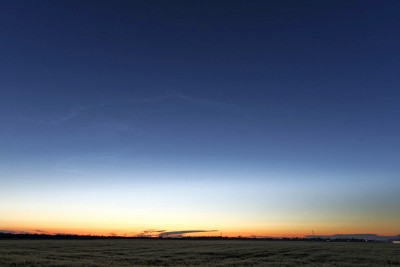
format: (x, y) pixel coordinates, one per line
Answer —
(268, 118)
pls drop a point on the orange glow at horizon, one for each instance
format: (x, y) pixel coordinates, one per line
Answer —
(276, 233)
(281, 212)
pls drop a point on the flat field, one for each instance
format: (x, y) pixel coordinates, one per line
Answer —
(88, 253)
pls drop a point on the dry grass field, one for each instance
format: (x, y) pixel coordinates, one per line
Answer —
(74, 253)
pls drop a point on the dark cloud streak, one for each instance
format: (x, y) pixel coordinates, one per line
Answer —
(180, 233)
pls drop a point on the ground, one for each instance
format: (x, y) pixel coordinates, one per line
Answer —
(90, 253)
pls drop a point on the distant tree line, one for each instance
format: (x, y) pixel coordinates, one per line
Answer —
(93, 237)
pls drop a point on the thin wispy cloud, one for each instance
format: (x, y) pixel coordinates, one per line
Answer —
(72, 164)
(13, 232)
(9, 231)
(41, 231)
(76, 112)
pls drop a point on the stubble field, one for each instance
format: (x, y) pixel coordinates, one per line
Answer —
(74, 253)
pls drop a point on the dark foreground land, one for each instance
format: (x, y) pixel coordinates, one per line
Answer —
(195, 253)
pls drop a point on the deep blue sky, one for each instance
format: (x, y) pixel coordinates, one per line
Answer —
(301, 94)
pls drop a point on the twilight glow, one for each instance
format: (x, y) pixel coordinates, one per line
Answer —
(252, 118)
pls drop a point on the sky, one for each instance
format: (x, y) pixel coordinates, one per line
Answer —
(252, 118)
